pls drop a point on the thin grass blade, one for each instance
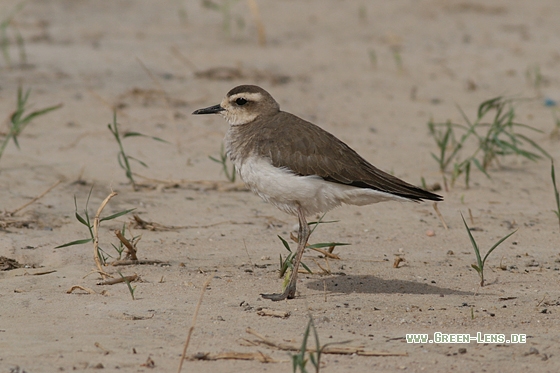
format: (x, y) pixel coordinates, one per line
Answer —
(327, 244)
(474, 244)
(37, 113)
(496, 245)
(77, 242)
(306, 267)
(114, 216)
(137, 160)
(286, 245)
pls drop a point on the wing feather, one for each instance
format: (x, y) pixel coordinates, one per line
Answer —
(306, 149)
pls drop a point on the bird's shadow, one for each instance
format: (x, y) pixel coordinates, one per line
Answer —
(375, 285)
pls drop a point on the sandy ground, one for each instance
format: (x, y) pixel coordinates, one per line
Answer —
(372, 74)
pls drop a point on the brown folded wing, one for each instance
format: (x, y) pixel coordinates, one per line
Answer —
(306, 149)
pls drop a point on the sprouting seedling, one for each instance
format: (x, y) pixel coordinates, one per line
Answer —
(447, 144)
(87, 221)
(534, 76)
(122, 157)
(423, 183)
(479, 267)
(300, 359)
(556, 194)
(130, 288)
(121, 247)
(19, 119)
(4, 40)
(397, 57)
(230, 174)
(312, 355)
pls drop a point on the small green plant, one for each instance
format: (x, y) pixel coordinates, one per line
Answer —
(121, 247)
(556, 194)
(286, 264)
(4, 39)
(87, 221)
(130, 288)
(312, 355)
(491, 139)
(230, 175)
(479, 267)
(19, 119)
(534, 76)
(397, 56)
(301, 359)
(122, 157)
(444, 136)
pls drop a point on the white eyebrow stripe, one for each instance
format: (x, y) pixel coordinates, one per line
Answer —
(248, 96)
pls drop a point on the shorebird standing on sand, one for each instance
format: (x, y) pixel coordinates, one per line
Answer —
(299, 167)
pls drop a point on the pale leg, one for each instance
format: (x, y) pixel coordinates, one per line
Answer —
(303, 236)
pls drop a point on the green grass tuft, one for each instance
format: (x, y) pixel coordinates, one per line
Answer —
(479, 267)
(87, 221)
(492, 138)
(20, 119)
(123, 158)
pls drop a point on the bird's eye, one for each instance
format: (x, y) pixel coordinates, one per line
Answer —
(240, 101)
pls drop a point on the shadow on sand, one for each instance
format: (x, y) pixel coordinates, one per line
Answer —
(375, 285)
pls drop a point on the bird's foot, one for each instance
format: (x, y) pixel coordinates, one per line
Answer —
(289, 293)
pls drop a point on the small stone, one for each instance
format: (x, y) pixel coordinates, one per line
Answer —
(430, 233)
(462, 350)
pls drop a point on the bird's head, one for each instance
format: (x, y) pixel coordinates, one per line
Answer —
(243, 104)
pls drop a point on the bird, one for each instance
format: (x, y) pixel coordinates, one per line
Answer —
(299, 167)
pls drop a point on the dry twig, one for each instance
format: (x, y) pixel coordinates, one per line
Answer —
(12, 213)
(259, 356)
(87, 290)
(96, 235)
(131, 250)
(440, 216)
(119, 280)
(273, 313)
(358, 350)
(202, 291)
(257, 17)
(128, 262)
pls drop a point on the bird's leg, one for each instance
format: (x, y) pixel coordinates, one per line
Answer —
(303, 235)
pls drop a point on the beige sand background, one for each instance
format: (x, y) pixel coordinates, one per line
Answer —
(372, 73)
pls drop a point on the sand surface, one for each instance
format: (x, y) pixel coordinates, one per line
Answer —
(373, 74)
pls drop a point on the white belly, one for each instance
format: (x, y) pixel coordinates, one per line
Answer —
(287, 191)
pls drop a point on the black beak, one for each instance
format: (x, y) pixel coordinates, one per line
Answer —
(209, 110)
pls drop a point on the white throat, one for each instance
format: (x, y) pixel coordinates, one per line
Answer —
(238, 119)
